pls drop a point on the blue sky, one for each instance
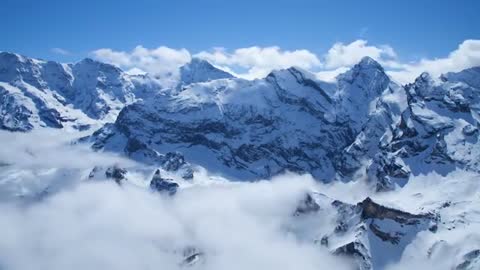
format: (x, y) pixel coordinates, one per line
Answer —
(414, 29)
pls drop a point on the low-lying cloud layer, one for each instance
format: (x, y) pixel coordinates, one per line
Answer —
(98, 224)
(257, 62)
(104, 226)
(84, 224)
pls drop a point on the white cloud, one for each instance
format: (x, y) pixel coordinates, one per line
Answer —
(159, 61)
(237, 225)
(341, 55)
(104, 226)
(329, 75)
(467, 55)
(55, 151)
(256, 62)
(259, 61)
(60, 51)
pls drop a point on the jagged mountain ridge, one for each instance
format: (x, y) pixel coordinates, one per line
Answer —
(200, 71)
(363, 125)
(366, 231)
(38, 93)
(437, 132)
(256, 129)
(45, 93)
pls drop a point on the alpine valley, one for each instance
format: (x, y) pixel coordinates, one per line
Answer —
(204, 170)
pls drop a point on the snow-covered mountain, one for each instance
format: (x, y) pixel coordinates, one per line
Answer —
(363, 125)
(199, 70)
(437, 132)
(37, 93)
(288, 121)
(429, 218)
(417, 143)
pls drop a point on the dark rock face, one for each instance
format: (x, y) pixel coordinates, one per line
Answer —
(93, 172)
(471, 260)
(191, 256)
(370, 209)
(357, 251)
(51, 118)
(175, 162)
(140, 151)
(306, 206)
(386, 171)
(163, 185)
(116, 173)
(367, 230)
(13, 115)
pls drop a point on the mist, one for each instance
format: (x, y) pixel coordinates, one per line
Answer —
(85, 224)
(105, 226)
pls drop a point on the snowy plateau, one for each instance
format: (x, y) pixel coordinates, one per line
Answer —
(102, 169)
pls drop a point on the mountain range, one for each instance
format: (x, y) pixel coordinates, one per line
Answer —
(363, 126)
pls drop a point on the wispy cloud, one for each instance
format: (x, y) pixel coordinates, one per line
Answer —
(363, 32)
(103, 226)
(259, 61)
(341, 55)
(60, 51)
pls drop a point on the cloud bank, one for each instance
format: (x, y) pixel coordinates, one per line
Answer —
(235, 225)
(344, 55)
(104, 226)
(256, 62)
(159, 61)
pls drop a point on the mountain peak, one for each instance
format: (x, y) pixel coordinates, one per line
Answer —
(9, 55)
(367, 70)
(425, 76)
(196, 63)
(299, 74)
(469, 76)
(423, 80)
(199, 61)
(15, 58)
(89, 63)
(368, 62)
(199, 70)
